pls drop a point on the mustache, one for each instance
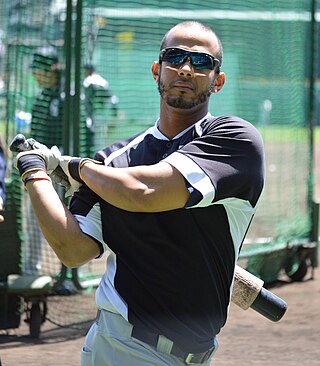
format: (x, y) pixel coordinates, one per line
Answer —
(174, 83)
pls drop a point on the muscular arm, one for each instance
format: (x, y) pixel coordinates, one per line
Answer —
(59, 226)
(153, 188)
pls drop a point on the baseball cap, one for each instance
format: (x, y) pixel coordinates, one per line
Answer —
(44, 58)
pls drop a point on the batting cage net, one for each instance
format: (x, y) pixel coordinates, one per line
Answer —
(98, 56)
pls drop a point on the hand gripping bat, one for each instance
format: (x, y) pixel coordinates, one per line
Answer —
(20, 144)
(248, 291)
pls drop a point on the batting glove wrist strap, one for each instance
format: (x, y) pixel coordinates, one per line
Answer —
(28, 163)
(74, 169)
(75, 166)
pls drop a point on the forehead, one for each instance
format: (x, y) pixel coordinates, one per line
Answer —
(192, 38)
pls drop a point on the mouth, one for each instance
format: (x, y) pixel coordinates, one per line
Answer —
(183, 86)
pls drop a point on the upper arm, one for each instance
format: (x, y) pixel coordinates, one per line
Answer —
(163, 187)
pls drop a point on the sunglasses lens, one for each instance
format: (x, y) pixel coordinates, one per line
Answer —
(201, 61)
(177, 57)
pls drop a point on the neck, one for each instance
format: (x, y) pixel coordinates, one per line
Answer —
(174, 120)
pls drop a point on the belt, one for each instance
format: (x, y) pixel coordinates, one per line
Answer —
(152, 339)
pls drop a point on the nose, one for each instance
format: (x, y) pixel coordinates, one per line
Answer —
(186, 68)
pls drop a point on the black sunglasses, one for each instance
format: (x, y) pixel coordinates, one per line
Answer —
(177, 56)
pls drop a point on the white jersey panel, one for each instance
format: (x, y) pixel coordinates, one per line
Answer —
(240, 213)
(194, 175)
(134, 142)
(107, 297)
(91, 225)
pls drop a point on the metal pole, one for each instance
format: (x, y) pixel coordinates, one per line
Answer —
(67, 107)
(316, 234)
(76, 103)
(67, 120)
(312, 106)
(77, 77)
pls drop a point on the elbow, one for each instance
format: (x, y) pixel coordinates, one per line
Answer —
(140, 200)
(71, 258)
(70, 262)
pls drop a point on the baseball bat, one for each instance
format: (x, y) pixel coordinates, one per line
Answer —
(248, 291)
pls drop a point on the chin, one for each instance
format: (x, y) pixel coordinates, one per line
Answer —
(179, 102)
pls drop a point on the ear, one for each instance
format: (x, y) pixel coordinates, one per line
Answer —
(219, 82)
(155, 71)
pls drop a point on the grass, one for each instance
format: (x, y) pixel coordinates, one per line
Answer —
(287, 133)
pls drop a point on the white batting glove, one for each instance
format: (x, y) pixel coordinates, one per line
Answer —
(71, 167)
(39, 159)
(71, 185)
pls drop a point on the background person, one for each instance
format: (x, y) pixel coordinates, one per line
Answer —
(46, 126)
(47, 109)
(98, 99)
(172, 204)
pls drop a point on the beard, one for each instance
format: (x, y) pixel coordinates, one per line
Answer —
(180, 101)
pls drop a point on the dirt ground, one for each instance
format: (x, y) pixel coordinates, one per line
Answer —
(247, 339)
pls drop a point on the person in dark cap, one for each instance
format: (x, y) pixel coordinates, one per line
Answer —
(47, 127)
(44, 58)
(47, 110)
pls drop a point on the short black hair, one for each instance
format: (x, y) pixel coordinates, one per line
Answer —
(189, 23)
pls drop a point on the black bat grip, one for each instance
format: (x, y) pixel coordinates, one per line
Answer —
(269, 305)
(19, 143)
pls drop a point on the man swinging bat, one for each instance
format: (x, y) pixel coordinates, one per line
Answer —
(171, 204)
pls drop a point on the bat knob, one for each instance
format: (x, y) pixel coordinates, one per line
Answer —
(17, 142)
(269, 305)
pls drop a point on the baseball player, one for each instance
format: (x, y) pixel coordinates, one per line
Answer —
(172, 206)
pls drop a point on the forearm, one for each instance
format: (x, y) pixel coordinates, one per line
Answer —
(59, 226)
(154, 188)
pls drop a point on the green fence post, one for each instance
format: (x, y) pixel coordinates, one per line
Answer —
(312, 105)
(77, 80)
(76, 101)
(316, 233)
(68, 60)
